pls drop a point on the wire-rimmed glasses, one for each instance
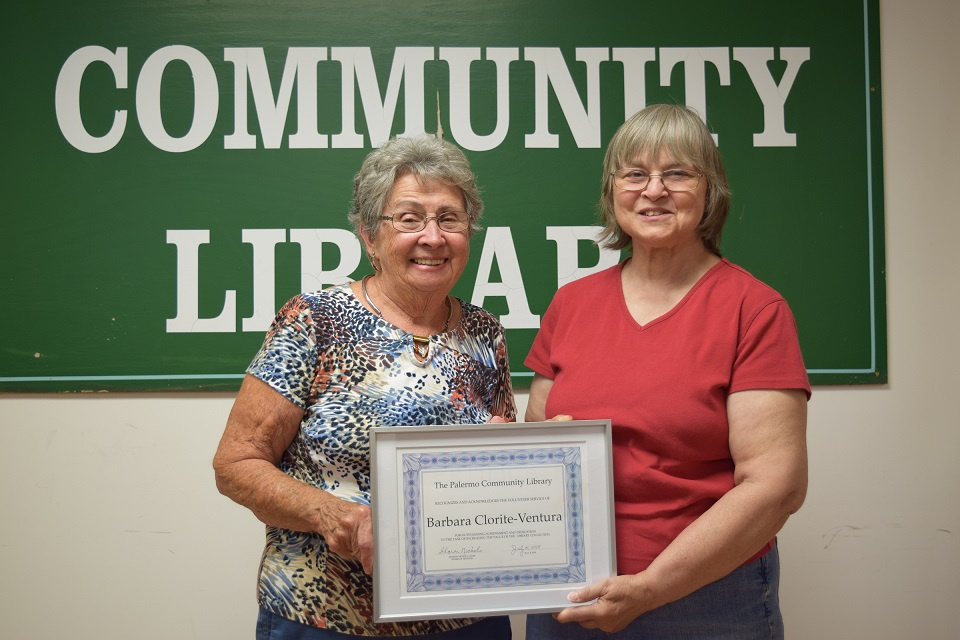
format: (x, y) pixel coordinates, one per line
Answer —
(634, 179)
(414, 221)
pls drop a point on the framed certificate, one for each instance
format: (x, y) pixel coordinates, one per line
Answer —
(489, 519)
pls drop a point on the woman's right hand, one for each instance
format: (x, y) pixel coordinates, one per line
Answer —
(261, 426)
(348, 529)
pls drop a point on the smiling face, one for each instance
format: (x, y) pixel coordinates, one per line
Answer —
(681, 133)
(656, 218)
(428, 261)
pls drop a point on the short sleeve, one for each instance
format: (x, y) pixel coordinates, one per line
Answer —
(287, 361)
(768, 353)
(538, 359)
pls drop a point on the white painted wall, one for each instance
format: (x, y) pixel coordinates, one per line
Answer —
(112, 527)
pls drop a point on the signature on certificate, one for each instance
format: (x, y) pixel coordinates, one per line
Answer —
(525, 550)
(459, 552)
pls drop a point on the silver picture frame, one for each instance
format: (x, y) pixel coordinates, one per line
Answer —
(491, 519)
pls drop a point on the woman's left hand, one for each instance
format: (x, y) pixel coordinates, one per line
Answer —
(768, 447)
(619, 600)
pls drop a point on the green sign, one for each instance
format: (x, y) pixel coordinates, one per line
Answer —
(173, 172)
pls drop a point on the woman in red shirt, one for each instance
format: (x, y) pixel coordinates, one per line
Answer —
(698, 366)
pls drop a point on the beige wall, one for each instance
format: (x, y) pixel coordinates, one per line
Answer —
(112, 527)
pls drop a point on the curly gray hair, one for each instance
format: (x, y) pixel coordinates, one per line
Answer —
(422, 156)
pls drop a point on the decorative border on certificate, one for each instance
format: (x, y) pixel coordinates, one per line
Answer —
(525, 545)
(473, 520)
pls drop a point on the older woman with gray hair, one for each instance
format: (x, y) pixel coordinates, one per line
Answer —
(393, 349)
(697, 365)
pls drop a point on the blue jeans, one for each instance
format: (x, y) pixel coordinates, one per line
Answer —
(742, 606)
(270, 626)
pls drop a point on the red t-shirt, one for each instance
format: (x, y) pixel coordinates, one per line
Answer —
(664, 386)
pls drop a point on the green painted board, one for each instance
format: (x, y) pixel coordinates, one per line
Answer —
(174, 171)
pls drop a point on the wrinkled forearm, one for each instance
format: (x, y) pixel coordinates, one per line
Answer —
(275, 498)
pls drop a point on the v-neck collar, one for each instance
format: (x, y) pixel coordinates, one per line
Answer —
(672, 311)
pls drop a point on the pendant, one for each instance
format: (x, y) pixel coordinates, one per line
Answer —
(421, 347)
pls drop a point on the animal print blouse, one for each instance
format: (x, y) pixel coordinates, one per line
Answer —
(351, 370)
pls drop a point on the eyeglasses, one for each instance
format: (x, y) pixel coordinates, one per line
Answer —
(412, 221)
(633, 179)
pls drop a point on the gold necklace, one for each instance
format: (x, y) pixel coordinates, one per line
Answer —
(421, 344)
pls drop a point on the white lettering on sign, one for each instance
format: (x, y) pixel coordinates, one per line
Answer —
(568, 241)
(357, 62)
(264, 242)
(249, 64)
(188, 318)
(459, 59)
(498, 247)
(67, 98)
(584, 121)
(498, 244)
(772, 95)
(358, 76)
(206, 99)
(695, 60)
